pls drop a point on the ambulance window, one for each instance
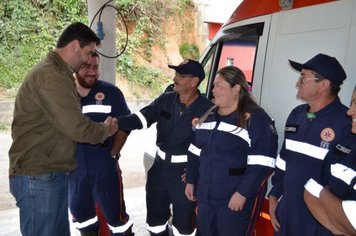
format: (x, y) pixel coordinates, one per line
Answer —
(240, 53)
(237, 46)
(207, 64)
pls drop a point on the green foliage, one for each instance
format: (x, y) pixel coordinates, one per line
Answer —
(147, 16)
(4, 128)
(148, 78)
(29, 29)
(189, 51)
(151, 79)
(125, 64)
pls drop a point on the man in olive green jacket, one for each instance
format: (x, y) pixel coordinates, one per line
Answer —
(47, 124)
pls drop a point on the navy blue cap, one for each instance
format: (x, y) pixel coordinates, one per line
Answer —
(190, 67)
(324, 65)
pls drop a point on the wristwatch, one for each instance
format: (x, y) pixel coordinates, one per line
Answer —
(116, 156)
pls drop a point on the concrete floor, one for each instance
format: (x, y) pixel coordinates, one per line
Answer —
(131, 163)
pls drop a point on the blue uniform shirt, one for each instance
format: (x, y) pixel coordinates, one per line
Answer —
(103, 100)
(340, 171)
(306, 143)
(225, 158)
(174, 121)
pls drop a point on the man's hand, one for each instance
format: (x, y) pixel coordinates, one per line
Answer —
(112, 122)
(237, 202)
(189, 192)
(195, 121)
(273, 202)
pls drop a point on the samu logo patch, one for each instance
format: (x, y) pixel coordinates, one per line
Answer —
(327, 135)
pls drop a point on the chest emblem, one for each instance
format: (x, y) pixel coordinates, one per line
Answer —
(99, 96)
(327, 135)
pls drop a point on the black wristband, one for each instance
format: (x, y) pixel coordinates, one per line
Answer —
(116, 156)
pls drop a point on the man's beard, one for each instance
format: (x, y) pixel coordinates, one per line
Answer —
(81, 81)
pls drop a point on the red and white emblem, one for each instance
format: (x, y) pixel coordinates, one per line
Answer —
(99, 96)
(327, 135)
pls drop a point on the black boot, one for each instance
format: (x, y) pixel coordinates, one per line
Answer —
(126, 233)
(89, 233)
(164, 233)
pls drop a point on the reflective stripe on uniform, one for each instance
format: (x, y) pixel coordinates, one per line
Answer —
(194, 149)
(176, 232)
(313, 187)
(80, 225)
(96, 109)
(206, 125)
(121, 228)
(261, 160)
(235, 130)
(350, 211)
(342, 172)
(142, 119)
(280, 163)
(157, 229)
(174, 158)
(161, 154)
(306, 149)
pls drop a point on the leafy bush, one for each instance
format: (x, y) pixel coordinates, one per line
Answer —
(189, 51)
(29, 29)
(152, 80)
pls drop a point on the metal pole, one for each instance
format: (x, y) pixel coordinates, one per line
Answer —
(108, 18)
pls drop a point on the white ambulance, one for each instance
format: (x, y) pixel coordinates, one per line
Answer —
(262, 35)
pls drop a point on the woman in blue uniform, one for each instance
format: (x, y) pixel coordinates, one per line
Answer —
(230, 158)
(334, 206)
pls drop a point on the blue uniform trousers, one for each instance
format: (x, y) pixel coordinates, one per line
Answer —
(216, 219)
(103, 187)
(164, 187)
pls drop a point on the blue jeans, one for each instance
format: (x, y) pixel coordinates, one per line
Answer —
(43, 203)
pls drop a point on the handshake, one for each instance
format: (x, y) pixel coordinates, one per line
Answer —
(113, 125)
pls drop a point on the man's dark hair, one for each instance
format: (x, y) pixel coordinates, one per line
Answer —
(334, 88)
(77, 31)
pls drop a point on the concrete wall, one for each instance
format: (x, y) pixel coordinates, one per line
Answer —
(211, 11)
(7, 108)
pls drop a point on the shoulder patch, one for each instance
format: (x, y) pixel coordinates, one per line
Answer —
(291, 128)
(327, 135)
(99, 96)
(342, 149)
(166, 114)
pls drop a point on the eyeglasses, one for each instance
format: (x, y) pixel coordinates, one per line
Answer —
(303, 80)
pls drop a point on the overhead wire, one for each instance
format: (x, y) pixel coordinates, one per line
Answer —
(101, 28)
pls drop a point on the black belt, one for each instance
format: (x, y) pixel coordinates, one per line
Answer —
(236, 171)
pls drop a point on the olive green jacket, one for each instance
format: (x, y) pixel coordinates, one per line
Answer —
(48, 121)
